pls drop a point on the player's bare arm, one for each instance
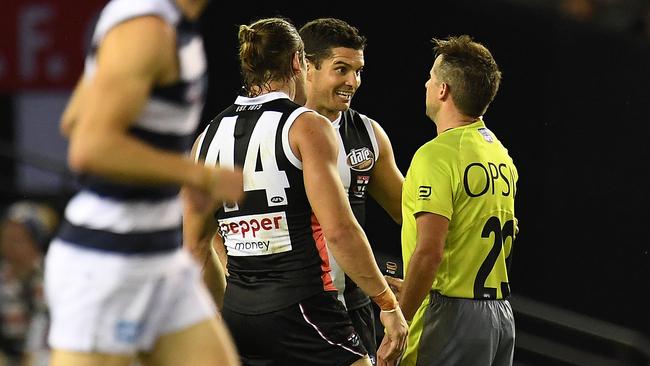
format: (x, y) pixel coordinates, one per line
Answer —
(72, 109)
(114, 99)
(314, 142)
(199, 231)
(215, 270)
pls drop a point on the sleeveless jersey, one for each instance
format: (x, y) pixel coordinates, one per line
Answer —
(466, 175)
(276, 252)
(130, 218)
(358, 152)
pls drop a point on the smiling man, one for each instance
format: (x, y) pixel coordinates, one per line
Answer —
(334, 52)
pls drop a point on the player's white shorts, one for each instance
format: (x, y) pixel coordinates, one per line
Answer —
(120, 304)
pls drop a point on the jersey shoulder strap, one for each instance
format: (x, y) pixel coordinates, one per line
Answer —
(363, 126)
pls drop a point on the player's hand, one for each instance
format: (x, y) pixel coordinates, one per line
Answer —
(226, 185)
(395, 333)
(380, 360)
(197, 201)
(217, 186)
(395, 284)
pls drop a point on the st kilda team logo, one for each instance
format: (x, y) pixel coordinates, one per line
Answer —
(361, 159)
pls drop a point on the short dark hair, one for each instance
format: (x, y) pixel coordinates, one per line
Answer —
(266, 50)
(470, 71)
(323, 34)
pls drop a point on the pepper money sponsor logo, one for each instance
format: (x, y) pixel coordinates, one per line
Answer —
(252, 235)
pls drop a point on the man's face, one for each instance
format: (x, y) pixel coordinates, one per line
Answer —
(433, 91)
(330, 88)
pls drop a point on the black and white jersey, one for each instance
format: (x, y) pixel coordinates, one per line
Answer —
(131, 218)
(358, 153)
(276, 252)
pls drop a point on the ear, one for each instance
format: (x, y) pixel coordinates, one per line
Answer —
(443, 91)
(296, 63)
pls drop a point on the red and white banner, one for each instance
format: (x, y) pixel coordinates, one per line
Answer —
(42, 43)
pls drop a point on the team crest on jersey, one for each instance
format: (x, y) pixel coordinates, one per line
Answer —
(486, 134)
(359, 189)
(361, 160)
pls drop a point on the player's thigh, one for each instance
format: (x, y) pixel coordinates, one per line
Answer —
(68, 358)
(207, 343)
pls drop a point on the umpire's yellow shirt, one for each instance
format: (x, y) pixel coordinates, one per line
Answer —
(466, 175)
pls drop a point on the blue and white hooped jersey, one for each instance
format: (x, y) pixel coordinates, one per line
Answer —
(128, 218)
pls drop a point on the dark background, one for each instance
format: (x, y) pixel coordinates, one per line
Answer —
(573, 110)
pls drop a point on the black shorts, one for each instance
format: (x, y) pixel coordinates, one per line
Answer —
(363, 320)
(315, 331)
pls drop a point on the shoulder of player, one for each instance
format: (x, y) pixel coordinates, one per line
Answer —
(376, 126)
(311, 120)
(312, 129)
(145, 40)
(433, 149)
(144, 27)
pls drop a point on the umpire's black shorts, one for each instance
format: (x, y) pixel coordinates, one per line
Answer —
(315, 331)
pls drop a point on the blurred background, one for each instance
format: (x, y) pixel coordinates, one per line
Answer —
(573, 110)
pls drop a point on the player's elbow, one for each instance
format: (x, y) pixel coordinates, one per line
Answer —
(66, 125)
(342, 234)
(83, 156)
(77, 159)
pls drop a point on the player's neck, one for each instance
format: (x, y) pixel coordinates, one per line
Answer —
(330, 114)
(449, 118)
(275, 86)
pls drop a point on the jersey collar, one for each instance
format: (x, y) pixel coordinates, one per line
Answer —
(264, 98)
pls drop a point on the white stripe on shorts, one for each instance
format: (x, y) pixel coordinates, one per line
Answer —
(323, 336)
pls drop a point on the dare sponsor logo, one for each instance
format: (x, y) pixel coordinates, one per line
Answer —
(361, 159)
